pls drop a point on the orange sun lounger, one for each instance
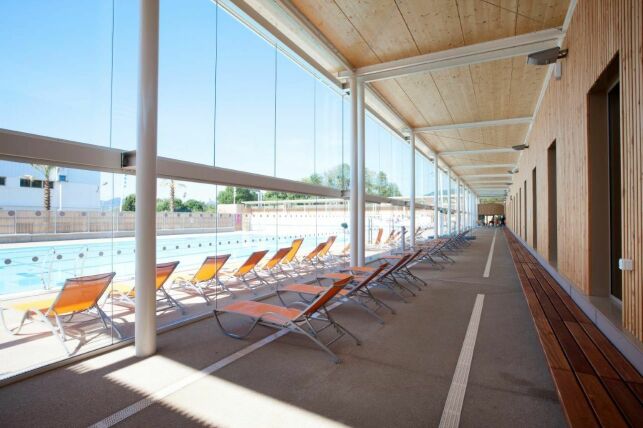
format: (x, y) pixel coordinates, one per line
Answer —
(247, 271)
(125, 294)
(205, 278)
(358, 294)
(273, 266)
(78, 295)
(295, 320)
(290, 259)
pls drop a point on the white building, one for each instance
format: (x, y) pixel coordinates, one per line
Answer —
(21, 188)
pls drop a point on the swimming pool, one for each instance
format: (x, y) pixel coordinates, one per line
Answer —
(46, 265)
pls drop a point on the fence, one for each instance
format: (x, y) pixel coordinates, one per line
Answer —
(14, 222)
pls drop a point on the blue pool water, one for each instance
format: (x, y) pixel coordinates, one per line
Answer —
(47, 264)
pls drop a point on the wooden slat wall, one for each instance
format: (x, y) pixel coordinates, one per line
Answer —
(491, 209)
(599, 30)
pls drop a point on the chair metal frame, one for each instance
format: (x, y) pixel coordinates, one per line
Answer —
(302, 323)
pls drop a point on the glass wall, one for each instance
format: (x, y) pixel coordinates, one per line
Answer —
(228, 98)
(75, 225)
(386, 157)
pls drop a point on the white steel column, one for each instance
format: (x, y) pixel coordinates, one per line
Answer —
(354, 182)
(145, 231)
(361, 173)
(412, 191)
(458, 207)
(449, 227)
(436, 200)
(466, 207)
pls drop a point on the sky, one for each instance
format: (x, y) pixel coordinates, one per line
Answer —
(68, 69)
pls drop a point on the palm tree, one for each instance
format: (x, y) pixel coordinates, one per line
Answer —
(171, 184)
(48, 172)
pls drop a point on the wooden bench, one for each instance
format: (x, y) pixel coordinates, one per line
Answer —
(596, 385)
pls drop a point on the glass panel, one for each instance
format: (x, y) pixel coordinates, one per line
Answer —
(52, 235)
(328, 137)
(295, 121)
(245, 99)
(55, 69)
(187, 61)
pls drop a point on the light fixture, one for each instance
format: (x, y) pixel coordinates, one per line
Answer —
(548, 56)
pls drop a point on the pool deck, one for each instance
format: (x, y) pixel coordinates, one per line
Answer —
(35, 345)
(401, 375)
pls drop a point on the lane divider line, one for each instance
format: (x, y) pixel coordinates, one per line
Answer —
(487, 268)
(455, 398)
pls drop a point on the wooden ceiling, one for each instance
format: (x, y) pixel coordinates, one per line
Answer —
(368, 32)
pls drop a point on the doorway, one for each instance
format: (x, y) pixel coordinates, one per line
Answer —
(604, 155)
(552, 211)
(534, 210)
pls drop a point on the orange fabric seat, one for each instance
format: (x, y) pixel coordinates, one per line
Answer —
(358, 293)
(310, 289)
(295, 320)
(334, 275)
(78, 295)
(262, 310)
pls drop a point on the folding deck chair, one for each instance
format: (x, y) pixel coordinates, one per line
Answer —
(125, 294)
(295, 320)
(386, 278)
(247, 271)
(206, 278)
(378, 239)
(324, 254)
(272, 266)
(290, 259)
(78, 295)
(311, 257)
(403, 270)
(358, 293)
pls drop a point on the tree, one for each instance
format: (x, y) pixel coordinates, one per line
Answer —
(282, 196)
(129, 203)
(314, 179)
(338, 177)
(172, 185)
(235, 195)
(48, 172)
(192, 205)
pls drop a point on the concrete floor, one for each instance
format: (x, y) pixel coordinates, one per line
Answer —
(400, 376)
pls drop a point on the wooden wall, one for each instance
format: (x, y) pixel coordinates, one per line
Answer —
(491, 209)
(599, 30)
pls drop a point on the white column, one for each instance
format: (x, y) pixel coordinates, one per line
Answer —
(412, 190)
(458, 207)
(145, 234)
(361, 173)
(449, 199)
(354, 183)
(475, 210)
(466, 207)
(436, 199)
(470, 208)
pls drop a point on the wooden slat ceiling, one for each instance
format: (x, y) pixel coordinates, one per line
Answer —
(369, 32)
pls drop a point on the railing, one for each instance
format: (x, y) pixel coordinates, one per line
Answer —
(14, 222)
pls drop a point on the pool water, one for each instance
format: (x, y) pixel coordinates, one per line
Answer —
(46, 265)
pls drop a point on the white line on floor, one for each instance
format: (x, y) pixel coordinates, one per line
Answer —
(453, 406)
(487, 268)
(131, 410)
(172, 388)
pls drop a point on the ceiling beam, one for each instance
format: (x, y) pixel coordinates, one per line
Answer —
(486, 175)
(477, 152)
(481, 124)
(485, 165)
(508, 47)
